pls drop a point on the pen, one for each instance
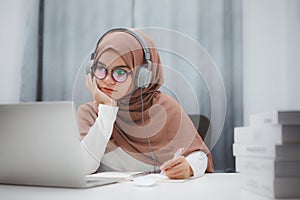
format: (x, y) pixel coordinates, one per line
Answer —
(139, 174)
(176, 155)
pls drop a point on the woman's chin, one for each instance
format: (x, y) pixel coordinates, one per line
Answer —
(109, 94)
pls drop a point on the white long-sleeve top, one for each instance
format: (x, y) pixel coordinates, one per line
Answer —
(95, 142)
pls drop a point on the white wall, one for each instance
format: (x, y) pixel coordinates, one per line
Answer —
(271, 51)
(13, 22)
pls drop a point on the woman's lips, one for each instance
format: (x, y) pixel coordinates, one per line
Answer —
(107, 90)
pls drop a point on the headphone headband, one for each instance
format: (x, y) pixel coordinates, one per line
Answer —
(135, 35)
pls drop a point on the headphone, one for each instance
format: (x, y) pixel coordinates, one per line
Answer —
(144, 74)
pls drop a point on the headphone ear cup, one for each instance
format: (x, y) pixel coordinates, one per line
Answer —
(143, 77)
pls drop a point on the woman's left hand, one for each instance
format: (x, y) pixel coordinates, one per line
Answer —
(98, 95)
(177, 169)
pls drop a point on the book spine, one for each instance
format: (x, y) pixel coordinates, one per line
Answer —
(248, 195)
(255, 166)
(254, 150)
(264, 118)
(280, 152)
(267, 168)
(258, 186)
(259, 135)
(268, 134)
(274, 188)
(276, 117)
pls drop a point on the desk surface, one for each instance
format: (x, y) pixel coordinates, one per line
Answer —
(210, 186)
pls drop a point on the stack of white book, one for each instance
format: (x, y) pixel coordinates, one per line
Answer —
(268, 155)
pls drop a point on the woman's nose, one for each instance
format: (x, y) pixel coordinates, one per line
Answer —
(108, 79)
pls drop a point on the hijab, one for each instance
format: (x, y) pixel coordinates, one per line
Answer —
(147, 120)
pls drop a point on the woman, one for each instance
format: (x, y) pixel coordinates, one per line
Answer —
(132, 127)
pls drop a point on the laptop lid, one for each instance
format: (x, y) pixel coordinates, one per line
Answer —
(40, 145)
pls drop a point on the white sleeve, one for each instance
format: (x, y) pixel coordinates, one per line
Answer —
(94, 143)
(198, 162)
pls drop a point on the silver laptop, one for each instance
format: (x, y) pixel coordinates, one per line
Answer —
(40, 145)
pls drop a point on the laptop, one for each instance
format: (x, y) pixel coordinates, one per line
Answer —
(40, 145)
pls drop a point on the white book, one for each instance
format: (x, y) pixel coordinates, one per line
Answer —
(276, 117)
(248, 195)
(267, 134)
(281, 187)
(267, 167)
(280, 152)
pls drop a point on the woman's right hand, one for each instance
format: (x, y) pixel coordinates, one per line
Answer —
(98, 95)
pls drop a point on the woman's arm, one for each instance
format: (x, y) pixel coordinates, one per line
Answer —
(94, 143)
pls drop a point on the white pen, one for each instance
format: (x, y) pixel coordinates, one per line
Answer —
(176, 155)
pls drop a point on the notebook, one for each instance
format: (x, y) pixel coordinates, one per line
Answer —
(40, 145)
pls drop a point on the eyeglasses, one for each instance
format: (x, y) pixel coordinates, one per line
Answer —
(118, 74)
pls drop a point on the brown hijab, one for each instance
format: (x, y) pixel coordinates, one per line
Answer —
(166, 125)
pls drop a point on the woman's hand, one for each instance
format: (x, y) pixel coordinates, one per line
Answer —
(98, 95)
(177, 169)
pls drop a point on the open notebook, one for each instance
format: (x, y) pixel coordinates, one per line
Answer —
(129, 176)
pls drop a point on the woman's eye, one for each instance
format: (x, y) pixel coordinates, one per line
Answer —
(121, 72)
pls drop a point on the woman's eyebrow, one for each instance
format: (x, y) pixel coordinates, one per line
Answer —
(118, 66)
(98, 62)
(122, 66)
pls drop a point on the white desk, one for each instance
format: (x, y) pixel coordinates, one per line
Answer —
(209, 187)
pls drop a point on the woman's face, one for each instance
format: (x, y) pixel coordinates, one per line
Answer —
(112, 61)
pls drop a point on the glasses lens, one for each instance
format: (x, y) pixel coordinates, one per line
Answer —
(120, 75)
(99, 72)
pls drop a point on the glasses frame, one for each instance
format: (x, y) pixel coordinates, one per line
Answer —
(97, 66)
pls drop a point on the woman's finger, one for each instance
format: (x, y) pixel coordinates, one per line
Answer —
(177, 172)
(89, 82)
(94, 84)
(171, 163)
(175, 169)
